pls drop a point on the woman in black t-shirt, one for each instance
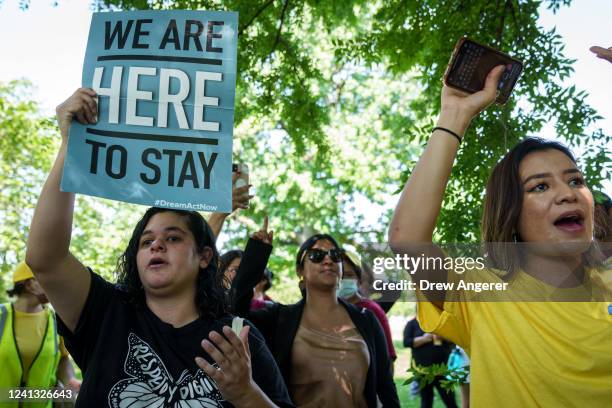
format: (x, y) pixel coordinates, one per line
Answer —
(138, 343)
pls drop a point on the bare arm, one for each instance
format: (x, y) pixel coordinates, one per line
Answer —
(240, 199)
(64, 279)
(413, 341)
(65, 373)
(422, 340)
(216, 221)
(603, 53)
(415, 216)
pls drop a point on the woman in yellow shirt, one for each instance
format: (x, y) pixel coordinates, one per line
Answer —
(525, 351)
(32, 353)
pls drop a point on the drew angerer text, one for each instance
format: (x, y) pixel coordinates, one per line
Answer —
(427, 285)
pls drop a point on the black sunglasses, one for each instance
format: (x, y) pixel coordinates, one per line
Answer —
(317, 255)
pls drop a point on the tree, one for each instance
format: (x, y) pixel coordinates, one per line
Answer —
(409, 35)
(335, 101)
(20, 169)
(28, 144)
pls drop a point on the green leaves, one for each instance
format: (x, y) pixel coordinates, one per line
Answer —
(28, 144)
(425, 375)
(25, 145)
(334, 104)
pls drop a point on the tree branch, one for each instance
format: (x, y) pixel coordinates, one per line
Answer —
(500, 28)
(338, 87)
(280, 26)
(262, 8)
(518, 31)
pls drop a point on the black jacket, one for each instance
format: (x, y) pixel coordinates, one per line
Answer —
(279, 325)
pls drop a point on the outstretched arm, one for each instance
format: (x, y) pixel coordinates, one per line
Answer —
(64, 279)
(603, 53)
(414, 219)
(251, 269)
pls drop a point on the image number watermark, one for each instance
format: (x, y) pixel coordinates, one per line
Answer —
(25, 394)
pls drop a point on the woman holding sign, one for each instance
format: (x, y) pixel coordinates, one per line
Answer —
(538, 229)
(140, 342)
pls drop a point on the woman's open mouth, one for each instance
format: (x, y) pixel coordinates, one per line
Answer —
(570, 222)
(157, 263)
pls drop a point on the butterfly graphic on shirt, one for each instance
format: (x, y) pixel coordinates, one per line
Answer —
(150, 385)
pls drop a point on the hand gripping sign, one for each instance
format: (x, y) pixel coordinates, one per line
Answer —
(166, 84)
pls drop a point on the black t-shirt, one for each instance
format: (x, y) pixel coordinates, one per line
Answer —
(129, 357)
(428, 354)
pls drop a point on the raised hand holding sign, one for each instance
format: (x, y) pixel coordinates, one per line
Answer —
(165, 82)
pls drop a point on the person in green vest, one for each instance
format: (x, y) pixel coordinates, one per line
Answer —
(32, 354)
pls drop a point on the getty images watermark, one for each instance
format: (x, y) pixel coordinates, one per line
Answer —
(492, 272)
(185, 206)
(412, 264)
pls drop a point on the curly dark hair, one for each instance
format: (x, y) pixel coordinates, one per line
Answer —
(210, 297)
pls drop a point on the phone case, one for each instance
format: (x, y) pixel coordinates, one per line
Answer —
(243, 180)
(471, 62)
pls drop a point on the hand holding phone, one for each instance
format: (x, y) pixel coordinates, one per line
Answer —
(470, 64)
(240, 186)
(243, 174)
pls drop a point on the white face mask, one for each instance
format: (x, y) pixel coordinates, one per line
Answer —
(347, 288)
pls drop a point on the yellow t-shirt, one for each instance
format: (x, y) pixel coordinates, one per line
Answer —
(29, 332)
(530, 354)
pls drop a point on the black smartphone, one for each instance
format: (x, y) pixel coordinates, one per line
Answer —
(472, 61)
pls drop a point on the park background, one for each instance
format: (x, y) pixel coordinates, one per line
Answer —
(335, 101)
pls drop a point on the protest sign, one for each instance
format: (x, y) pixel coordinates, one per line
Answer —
(166, 84)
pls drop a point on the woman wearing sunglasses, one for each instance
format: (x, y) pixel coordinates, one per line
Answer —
(329, 352)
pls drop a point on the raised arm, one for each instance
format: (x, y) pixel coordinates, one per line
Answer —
(240, 199)
(414, 219)
(64, 279)
(603, 53)
(251, 269)
(415, 216)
